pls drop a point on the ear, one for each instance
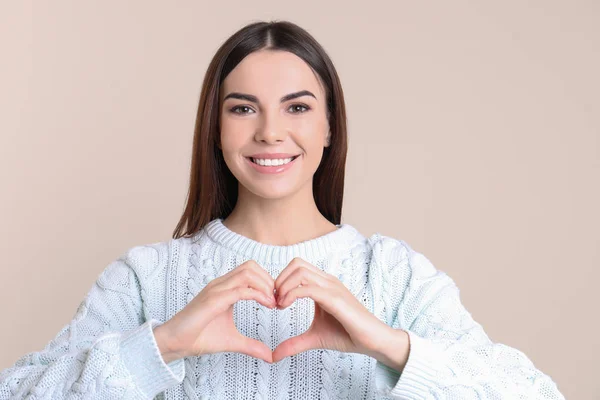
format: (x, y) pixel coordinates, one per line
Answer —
(328, 139)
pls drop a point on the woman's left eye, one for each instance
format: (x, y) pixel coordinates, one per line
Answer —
(295, 106)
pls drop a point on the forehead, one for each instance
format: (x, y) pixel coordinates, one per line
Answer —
(272, 73)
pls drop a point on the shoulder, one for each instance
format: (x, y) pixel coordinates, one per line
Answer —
(394, 255)
(146, 258)
(399, 274)
(136, 264)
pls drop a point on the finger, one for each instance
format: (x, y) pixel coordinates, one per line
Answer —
(263, 272)
(251, 265)
(295, 345)
(245, 293)
(251, 347)
(291, 267)
(300, 276)
(246, 277)
(344, 307)
(254, 274)
(315, 293)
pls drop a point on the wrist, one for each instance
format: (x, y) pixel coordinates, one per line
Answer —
(393, 349)
(167, 351)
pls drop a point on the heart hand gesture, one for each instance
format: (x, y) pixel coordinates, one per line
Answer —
(340, 323)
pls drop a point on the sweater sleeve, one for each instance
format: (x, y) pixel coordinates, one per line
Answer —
(450, 355)
(108, 349)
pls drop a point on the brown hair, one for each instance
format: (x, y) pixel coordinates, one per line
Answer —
(213, 188)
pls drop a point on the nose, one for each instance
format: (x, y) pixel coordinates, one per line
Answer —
(270, 129)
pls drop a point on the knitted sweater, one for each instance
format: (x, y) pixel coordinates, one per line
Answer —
(108, 350)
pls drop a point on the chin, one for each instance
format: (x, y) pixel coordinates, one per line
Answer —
(272, 193)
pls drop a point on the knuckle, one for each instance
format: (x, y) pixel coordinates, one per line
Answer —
(240, 267)
(246, 274)
(210, 285)
(254, 265)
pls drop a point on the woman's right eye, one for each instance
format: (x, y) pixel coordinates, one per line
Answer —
(236, 108)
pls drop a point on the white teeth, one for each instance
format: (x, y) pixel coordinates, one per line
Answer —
(271, 162)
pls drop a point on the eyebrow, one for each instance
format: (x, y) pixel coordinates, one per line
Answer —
(254, 99)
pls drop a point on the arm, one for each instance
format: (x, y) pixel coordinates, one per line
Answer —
(108, 350)
(449, 354)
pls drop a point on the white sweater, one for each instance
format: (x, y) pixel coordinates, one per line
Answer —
(108, 350)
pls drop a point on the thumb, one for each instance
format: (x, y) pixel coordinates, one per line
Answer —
(297, 344)
(251, 347)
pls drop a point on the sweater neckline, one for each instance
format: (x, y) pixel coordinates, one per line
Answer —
(311, 249)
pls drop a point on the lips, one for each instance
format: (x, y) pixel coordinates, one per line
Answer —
(272, 156)
(273, 169)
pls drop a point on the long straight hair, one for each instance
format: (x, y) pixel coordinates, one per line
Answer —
(213, 189)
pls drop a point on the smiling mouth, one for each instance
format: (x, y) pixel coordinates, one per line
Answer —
(274, 162)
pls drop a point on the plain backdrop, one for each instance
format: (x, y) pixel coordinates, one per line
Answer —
(474, 132)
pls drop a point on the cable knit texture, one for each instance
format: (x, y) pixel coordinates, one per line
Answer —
(109, 351)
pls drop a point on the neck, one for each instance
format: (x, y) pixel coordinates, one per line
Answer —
(281, 221)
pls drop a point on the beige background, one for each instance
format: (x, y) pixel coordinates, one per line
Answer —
(474, 136)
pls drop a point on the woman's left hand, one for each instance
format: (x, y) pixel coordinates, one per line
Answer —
(340, 323)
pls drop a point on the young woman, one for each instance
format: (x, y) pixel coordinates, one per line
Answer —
(263, 293)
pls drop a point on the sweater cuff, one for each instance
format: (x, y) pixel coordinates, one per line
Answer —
(141, 355)
(417, 377)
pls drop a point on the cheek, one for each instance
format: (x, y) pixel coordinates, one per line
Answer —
(311, 135)
(233, 134)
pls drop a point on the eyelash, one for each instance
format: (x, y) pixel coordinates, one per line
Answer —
(233, 110)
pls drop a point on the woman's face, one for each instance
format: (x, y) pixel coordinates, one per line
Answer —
(272, 102)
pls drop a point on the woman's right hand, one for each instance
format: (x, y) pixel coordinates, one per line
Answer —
(205, 325)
